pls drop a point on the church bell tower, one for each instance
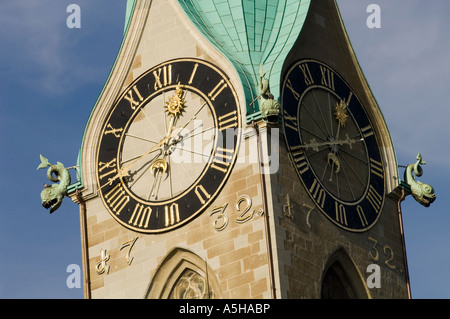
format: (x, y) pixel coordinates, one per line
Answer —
(236, 151)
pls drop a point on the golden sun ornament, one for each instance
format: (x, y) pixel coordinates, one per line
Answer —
(176, 103)
(341, 113)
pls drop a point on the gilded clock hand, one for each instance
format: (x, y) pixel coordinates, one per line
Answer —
(332, 157)
(171, 125)
(174, 107)
(145, 167)
(158, 169)
(335, 164)
(314, 145)
(124, 171)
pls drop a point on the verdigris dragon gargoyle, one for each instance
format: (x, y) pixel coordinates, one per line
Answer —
(52, 195)
(422, 193)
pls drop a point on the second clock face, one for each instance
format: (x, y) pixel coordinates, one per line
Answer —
(333, 145)
(168, 145)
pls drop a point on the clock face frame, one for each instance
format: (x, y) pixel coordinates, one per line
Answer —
(169, 98)
(332, 145)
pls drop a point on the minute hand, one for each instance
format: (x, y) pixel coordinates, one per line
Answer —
(314, 145)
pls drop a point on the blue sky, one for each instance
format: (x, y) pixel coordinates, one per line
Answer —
(51, 77)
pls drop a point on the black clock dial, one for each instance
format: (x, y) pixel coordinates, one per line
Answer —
(333, 145)
(168, 145)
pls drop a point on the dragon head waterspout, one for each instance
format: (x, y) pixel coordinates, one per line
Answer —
(421, 192)
(51, 198)
(52, 195)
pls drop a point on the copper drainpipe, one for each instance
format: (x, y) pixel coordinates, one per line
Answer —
(84, 245)
(266, 215)
(400, 219)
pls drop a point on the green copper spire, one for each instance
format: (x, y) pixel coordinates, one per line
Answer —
(250, 34)
(130, 7)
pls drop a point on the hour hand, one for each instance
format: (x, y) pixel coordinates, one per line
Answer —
(125, 171)
(140, 171)
(158, 169)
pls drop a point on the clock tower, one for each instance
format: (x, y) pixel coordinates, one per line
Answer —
(236, 151)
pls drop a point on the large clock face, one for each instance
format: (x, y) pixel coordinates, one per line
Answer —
(168, 145)
(333, 145)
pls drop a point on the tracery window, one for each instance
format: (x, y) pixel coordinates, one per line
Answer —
(191, 285)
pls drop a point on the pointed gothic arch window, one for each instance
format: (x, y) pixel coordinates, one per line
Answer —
(342, 280)
(183, 275)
